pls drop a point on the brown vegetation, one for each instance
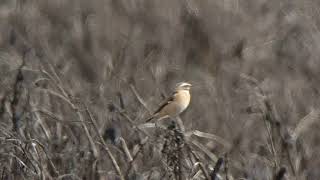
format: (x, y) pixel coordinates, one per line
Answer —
(78, 78)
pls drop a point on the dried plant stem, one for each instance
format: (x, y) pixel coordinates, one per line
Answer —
(273, 150)
(212, 156)
(195, 156)
(140, 98)
(53, 116)
(45, 152)
(43, 125)
(21, 162)
(306, 122)
(125, 149)
(65, 96)
(90, 139)
(226, 166)
(285, 145)
(17, 92)
(131, 121)
(131, 165)
(213, 137)
(216, 169)
(113, 160)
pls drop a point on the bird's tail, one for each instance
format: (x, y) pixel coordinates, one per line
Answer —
(150, 118)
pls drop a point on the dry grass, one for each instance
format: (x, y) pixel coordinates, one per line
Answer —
(79, 77)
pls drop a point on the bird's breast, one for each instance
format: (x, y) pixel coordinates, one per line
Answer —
(183, 99)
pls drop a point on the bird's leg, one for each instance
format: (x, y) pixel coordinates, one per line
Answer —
(174, 126)
(180, 124)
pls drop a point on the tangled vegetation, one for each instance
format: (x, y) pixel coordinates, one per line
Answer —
(78, 78)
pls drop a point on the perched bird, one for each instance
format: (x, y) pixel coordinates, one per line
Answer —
(175, 104)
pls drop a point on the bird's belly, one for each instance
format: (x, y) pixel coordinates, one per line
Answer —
(176, 109)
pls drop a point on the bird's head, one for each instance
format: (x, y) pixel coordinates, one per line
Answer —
(183, 86)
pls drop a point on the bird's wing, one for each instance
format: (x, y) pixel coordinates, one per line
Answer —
(166, 102)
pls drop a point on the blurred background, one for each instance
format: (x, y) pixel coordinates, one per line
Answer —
(237, 54)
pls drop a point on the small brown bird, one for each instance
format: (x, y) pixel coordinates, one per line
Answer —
(175, 104)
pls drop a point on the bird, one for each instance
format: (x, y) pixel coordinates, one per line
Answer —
(175, 104)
